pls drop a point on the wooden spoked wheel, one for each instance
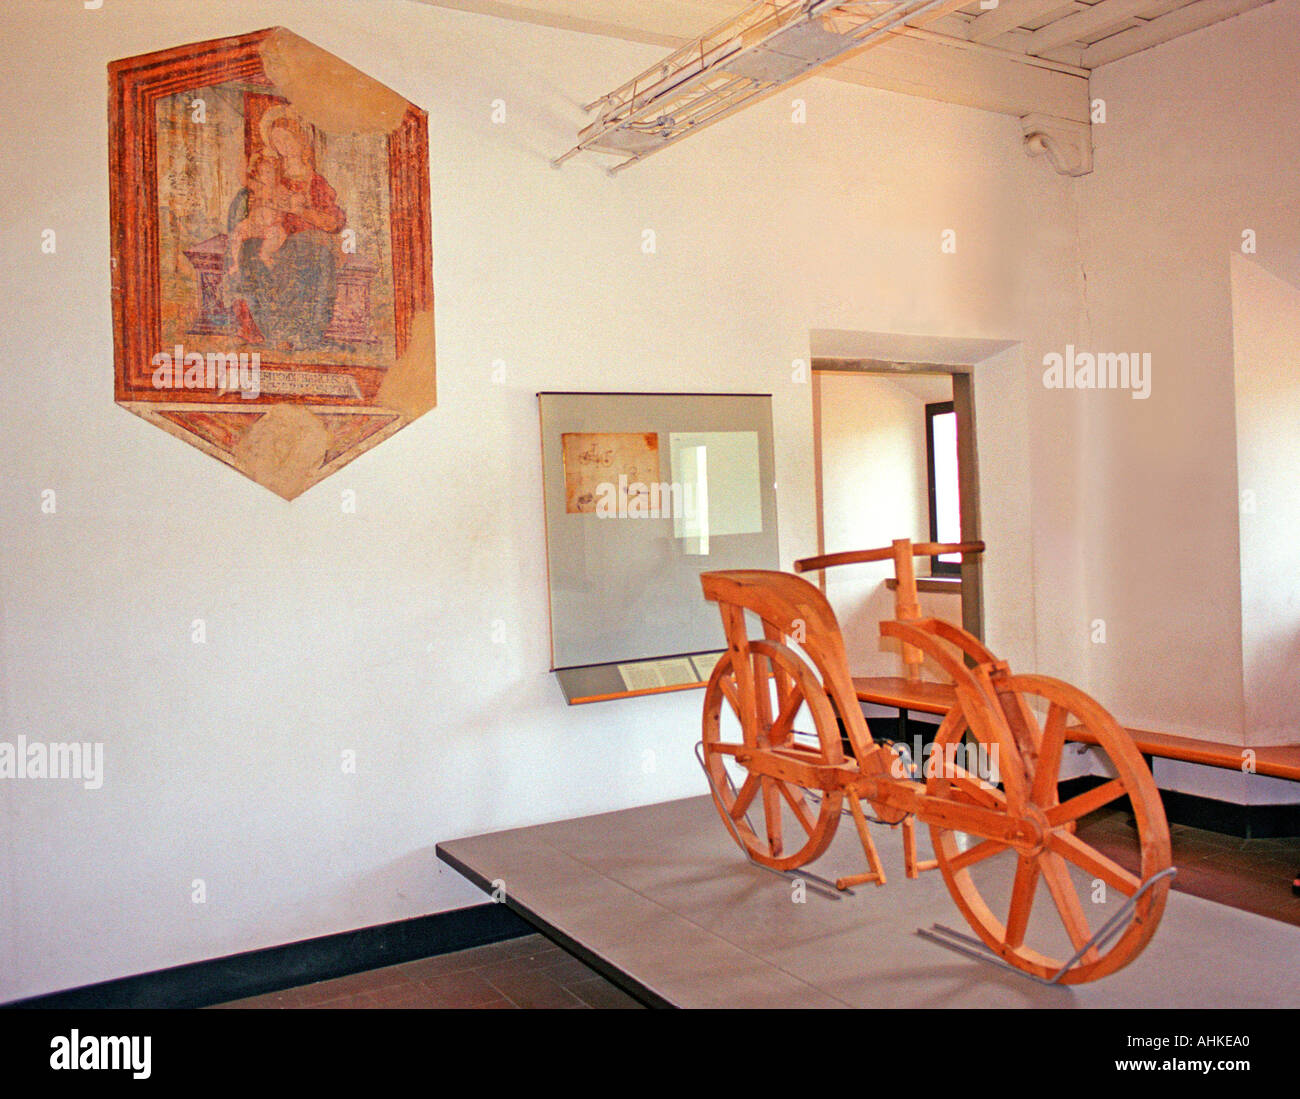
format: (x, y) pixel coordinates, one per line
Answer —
(1037, 901)
(787, 700)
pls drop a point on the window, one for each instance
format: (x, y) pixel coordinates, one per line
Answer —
(945, 493)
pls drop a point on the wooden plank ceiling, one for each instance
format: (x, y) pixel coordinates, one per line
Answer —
(1084, 33)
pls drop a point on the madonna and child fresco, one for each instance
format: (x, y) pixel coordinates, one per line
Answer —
(274, 305)
(289, 268)
(284, 246)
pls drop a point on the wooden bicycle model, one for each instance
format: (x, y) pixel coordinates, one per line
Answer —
(999, 839)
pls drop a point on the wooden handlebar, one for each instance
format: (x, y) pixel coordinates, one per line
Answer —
(885, 553)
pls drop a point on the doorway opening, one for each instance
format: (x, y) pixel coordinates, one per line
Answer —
(894, 452)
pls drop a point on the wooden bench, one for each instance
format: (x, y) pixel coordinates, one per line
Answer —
(905, 694)
(938, 698)
(1278, 762)
(910, 692)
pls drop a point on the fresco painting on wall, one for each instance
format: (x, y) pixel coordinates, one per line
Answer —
(271, 254)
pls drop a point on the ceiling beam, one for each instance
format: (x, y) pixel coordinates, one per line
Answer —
(654, 22)
(1099, 17)
(951, 26)
(969, 77)
(918, 64)
(1178, 22)
(925, 19)
(1009, 15)
(1007, 52)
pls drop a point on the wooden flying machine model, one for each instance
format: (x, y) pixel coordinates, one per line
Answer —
(797, 670)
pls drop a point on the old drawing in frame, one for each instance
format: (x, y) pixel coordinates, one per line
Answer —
(611, 469)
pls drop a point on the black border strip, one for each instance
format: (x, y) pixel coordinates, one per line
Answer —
(257, 972)
(640, 992)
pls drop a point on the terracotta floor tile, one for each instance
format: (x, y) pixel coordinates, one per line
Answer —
(468, 988)
(601, 994)
(406, 997)
(261, 1003)
(532, 989)
(1217, 840)
(529, 971)
(440, 964)
(511, 948)
(529, 946)
(371, 980)
(354, 1001)
(564, 968)
(1258, 868)
(1285, 845)
(324, 991)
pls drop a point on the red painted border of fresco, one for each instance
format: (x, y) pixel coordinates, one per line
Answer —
(135, 85)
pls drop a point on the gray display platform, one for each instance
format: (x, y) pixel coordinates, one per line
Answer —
(661, 899)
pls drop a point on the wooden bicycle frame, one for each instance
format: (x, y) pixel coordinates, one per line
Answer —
(1022, 814)
(791, 763)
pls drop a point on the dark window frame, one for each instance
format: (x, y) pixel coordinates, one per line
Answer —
(938, 408)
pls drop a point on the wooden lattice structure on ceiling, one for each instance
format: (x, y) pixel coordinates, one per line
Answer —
(763, 46)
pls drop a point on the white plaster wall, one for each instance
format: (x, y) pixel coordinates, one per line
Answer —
(373, 632)
(1266, 349)
(875, 489)
(1200, 144)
